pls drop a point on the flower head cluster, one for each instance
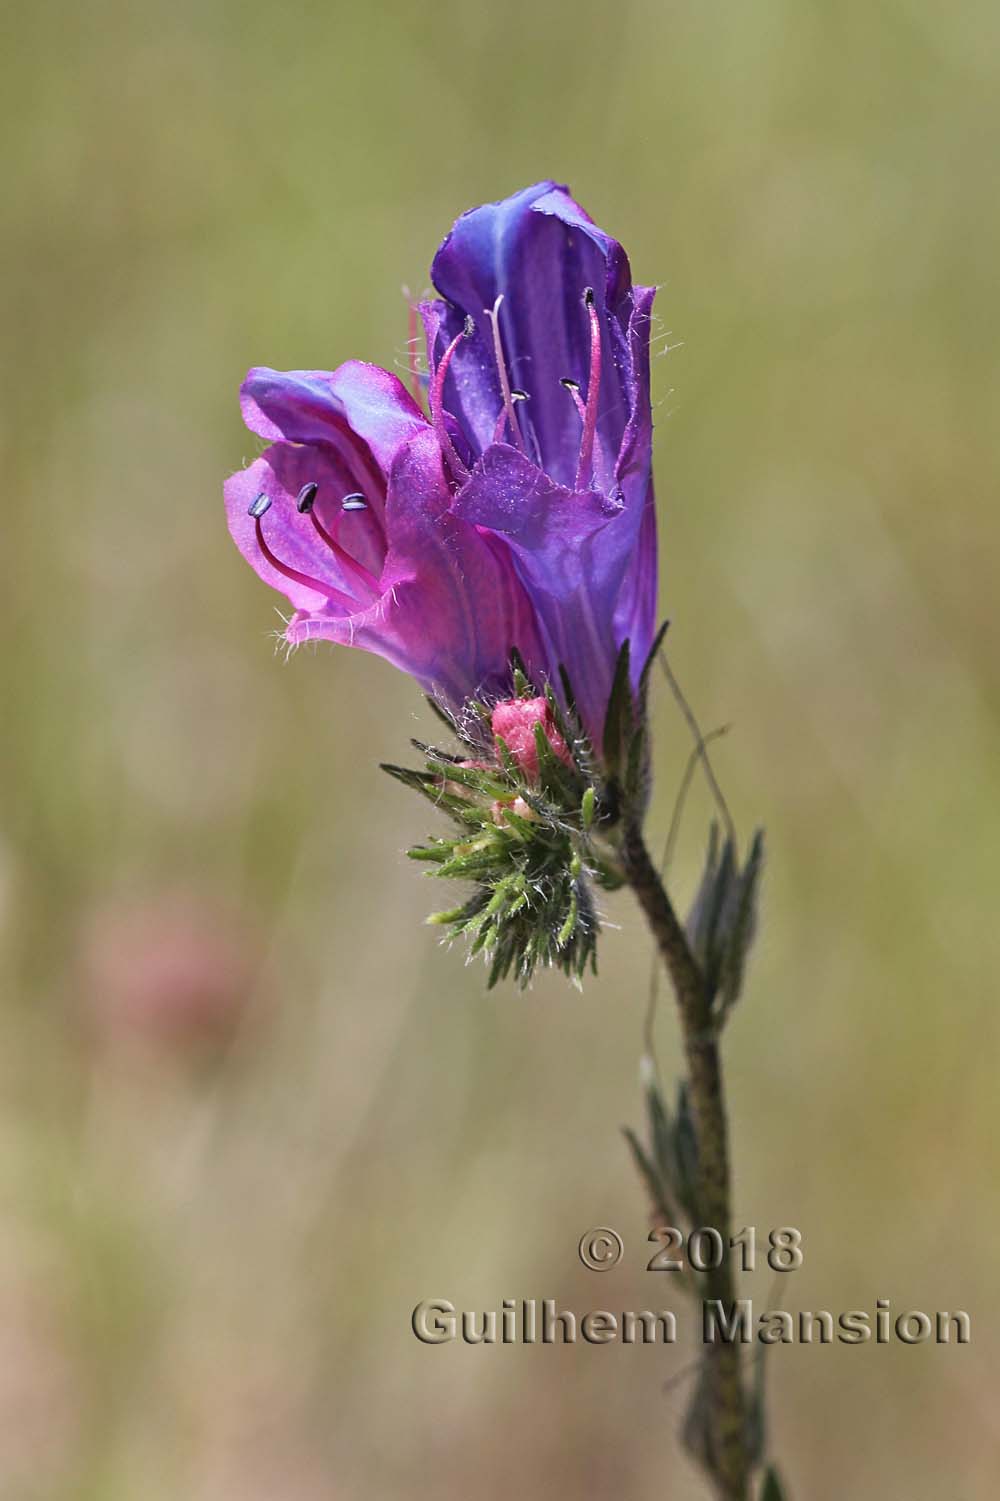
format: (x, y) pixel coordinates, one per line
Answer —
(499, 546)
(516, 513)
(531, 813)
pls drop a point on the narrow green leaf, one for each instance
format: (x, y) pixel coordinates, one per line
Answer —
(741, 925)
(658, 1197)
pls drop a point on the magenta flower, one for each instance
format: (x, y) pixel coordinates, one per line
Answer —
(518, 515)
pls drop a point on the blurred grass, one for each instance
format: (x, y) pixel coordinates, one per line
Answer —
(208, 1263)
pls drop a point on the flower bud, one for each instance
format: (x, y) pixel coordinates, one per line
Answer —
(513, 721)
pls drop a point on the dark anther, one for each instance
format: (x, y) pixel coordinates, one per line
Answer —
(257, 507)
(588, 296)
(519, 396)
(571, 385)
(306, 496)
(354, 502)
(470, 326)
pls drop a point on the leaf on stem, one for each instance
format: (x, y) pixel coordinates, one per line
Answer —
(723, 919)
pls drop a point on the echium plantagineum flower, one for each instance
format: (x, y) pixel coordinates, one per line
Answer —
(499, 547)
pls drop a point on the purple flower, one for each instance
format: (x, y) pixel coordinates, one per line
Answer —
(519, 515)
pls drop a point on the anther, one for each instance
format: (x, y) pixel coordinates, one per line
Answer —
(502, 421)
(573, 387)
(260, 506)
(349, 564)
(335, 596)
(304, 503)
(588, 297)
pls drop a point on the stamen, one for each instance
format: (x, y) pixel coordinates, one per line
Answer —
(350, 565)
(573, 388)
(257, 510)
(584, 468)
(459, 469)
(493, 314)
(260, 506)
(355, 502)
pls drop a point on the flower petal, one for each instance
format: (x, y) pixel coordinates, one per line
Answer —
(540, 251)
(635, 617)
(319, 577)
(635, 612)
(572, 550)
(452, 606)
(356, 401)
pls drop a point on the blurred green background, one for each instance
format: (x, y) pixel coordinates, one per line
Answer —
(251, 1111)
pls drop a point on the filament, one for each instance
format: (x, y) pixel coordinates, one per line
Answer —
(257, 510)
(459, 469)
(584, 468)
(306, 503)
(508, 413)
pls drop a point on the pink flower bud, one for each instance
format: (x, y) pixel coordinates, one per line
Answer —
(514, 722)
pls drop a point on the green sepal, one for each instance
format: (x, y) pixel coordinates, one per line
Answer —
(418, 780)
(570, 697)
(619, 721)
(771, 1487)
(440, 713)
(435, 853)
(520, 674)
(559, 782)
(532, 869)
(509, 762)
(451, 915)
(642, 693)
(434, 754)
(636, 766)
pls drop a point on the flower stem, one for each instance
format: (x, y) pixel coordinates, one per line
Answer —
(727, 1456)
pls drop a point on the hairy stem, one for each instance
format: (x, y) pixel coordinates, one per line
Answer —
(728, 1459)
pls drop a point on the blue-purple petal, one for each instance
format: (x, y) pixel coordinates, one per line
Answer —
(572, 550)
(540, 252)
